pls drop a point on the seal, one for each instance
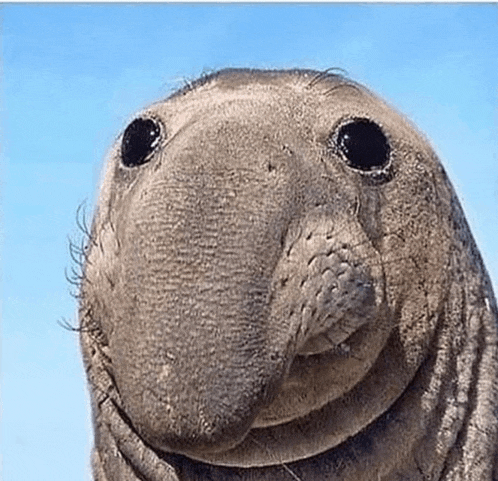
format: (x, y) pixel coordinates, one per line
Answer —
(280, 284)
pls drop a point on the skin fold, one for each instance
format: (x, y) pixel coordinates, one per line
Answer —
(280, 284)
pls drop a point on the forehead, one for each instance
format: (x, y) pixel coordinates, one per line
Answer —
(289, 95)
(299, 104)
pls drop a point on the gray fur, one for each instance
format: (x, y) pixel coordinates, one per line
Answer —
(253, 307)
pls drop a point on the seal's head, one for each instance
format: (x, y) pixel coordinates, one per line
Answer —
(266, 246)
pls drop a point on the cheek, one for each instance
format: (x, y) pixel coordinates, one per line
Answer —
(329, 286)
(416, 252)
(329, 283)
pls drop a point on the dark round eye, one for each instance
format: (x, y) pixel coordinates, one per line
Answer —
(363, 144)
(139, 139)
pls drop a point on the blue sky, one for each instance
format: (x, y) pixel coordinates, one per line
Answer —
(73, 75)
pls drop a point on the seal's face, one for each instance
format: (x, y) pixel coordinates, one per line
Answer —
(262, 240)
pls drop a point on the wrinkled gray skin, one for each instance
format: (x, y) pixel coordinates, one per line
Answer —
(257, 307)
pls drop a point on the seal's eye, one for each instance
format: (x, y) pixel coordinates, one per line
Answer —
(363, 144)
(139, 140)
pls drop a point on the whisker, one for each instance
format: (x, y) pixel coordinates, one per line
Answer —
(74, 280)
(280, 463)
(77, 253)
(81, 222)
(292, 473)
(342, 85)
(65, 324)
(320, 76)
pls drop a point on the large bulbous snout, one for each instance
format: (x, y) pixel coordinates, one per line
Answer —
(195, 349)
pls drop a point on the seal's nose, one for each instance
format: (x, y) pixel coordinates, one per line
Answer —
(198, 254)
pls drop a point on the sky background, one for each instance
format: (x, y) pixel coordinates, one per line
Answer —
(73, 76)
